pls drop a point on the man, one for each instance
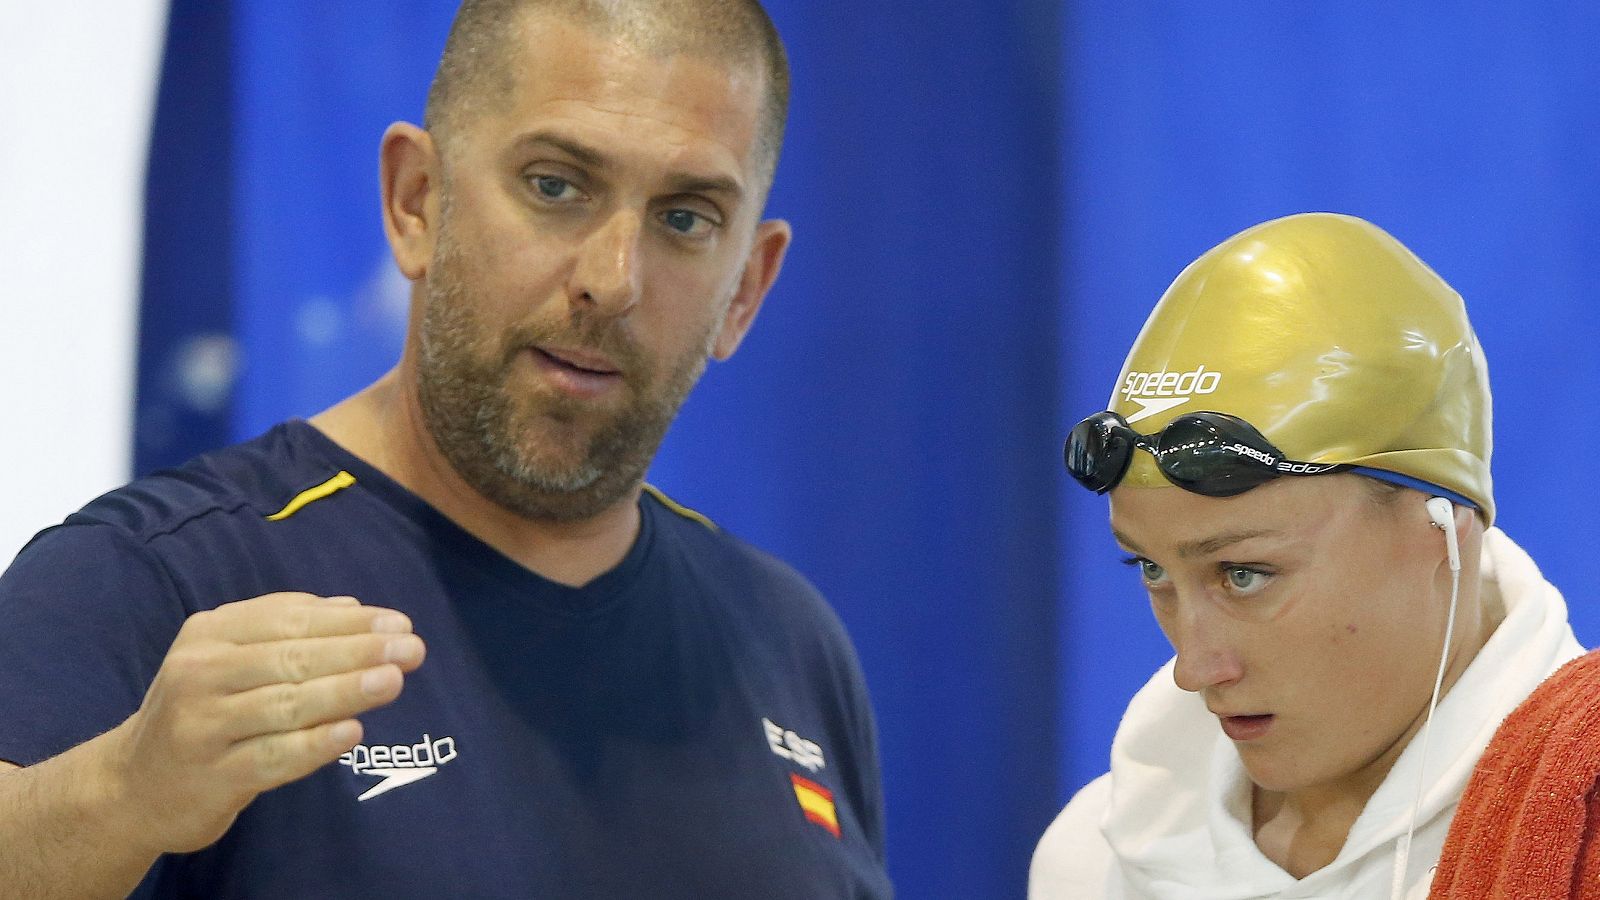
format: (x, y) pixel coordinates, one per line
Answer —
(1297, 457)
(214, 678)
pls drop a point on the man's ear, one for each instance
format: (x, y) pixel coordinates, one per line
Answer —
(760, 271)
(408, 163)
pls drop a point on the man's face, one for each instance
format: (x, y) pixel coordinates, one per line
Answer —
(1307, 615)
(594, 228)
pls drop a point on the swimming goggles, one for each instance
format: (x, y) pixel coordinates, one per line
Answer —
(1207, 453)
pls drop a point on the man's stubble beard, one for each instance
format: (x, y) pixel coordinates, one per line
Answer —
(525, 457)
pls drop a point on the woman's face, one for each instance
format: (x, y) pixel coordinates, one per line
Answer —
(1308, 613)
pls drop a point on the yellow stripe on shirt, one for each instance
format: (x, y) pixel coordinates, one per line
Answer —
(678, 508)
(311, 495)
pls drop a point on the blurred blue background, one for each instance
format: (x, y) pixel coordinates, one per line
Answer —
(987, 200)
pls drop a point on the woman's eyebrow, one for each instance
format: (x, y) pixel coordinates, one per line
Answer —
(1203, 547)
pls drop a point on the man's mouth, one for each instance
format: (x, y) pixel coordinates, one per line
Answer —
(580, 374)
(580, 360)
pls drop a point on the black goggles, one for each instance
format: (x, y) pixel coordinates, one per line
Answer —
(1208, 453)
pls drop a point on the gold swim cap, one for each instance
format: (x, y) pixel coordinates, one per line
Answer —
(1332, 339)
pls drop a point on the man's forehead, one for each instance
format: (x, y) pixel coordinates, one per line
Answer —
(546, 43)
(562, 68)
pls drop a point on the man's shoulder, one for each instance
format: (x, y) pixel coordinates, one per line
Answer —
(728, 554)
(758, 585)
(257, 478)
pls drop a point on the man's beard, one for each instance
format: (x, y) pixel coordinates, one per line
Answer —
(527, 452)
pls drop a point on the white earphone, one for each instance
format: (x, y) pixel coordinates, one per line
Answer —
(1442, 512)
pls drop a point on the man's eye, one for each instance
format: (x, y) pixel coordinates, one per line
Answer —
(553, 187)
(685, 221)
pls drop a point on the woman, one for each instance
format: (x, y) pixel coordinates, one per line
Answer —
(1300, 432)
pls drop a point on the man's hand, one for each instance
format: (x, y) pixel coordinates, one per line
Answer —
(251, 695)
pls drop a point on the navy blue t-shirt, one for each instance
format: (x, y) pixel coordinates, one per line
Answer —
(692, 723)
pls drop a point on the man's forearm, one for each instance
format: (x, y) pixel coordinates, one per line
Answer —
(65, 833)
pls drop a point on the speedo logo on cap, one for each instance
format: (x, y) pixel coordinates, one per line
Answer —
(1157, 392)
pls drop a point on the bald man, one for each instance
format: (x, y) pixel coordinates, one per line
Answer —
(440, 640)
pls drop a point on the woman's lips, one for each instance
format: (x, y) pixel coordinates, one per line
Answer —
(1246, 728)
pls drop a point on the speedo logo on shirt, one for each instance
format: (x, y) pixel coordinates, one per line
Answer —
(1157, 392)
(399, 764)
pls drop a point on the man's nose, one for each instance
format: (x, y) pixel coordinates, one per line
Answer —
(606, 275)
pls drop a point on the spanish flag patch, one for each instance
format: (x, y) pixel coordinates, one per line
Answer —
(816, 802)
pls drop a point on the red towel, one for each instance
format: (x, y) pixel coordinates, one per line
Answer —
(1527, 825)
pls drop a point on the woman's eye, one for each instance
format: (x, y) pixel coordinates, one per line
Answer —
(1246, 581)
(553, 187)
(1150, 572)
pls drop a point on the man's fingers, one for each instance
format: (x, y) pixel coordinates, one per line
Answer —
(280, 617)
(273, 760)
(294, 662)
(288, 707)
